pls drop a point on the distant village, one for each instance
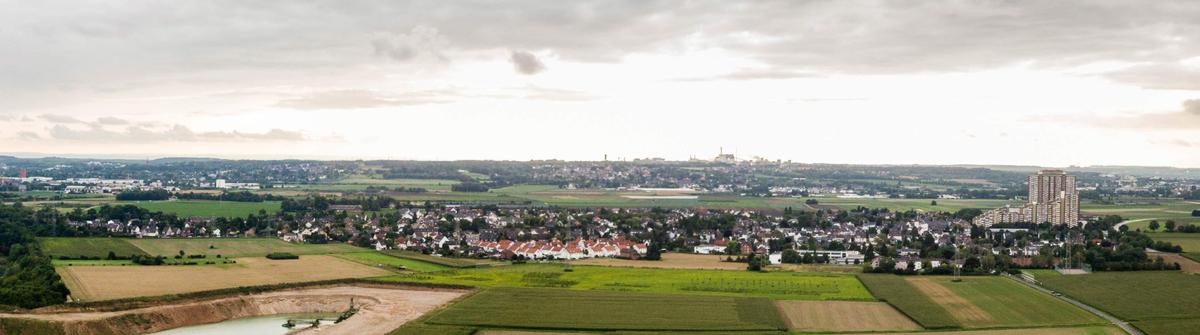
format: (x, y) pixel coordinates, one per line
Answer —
(1042, 233)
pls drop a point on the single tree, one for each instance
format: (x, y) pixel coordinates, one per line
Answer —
(1154, 225)
(733, 248)
(756, 262)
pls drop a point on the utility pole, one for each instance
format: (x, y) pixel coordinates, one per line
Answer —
(957, 266)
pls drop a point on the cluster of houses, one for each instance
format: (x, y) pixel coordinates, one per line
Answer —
(555, 249)
(567, 234)
(584, 233)
(150, 228)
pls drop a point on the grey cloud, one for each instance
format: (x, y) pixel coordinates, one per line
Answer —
(1159, 76)
(1192, 107)
(139, 42)
(526, 63)
(422, 40)
(28, 136)
(1187, 118)
(60, 118)
(358, 99)
(176, 133)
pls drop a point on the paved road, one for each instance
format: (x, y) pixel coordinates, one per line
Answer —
(1112, 319)
(1122, 223)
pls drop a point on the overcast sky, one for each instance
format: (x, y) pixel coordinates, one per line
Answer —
(1050, 83)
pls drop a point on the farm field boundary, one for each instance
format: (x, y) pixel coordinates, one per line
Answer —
(444, 261)
(775, 285)
(937, 302)
(386, 261)
(843, 316)
(92, 247)
(113, 282)
(557, 309)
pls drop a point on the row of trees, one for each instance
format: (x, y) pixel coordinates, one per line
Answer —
(401, 189)
(469, 187)
(243, 196)
(135, 195)
(1171, 226)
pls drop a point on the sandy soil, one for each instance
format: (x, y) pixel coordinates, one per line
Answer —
(381, 310)
(90, 283)
(843, 316)
(958, 307)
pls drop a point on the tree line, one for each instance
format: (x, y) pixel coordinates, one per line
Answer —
(243, 196)
(27, 278)
(161, 194)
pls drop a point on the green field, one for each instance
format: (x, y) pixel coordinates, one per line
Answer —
(189, 208)
(1011, 304)
(776, 285)
(550, 195)
(1135, 296)
(555, 196)
(169, 247)
(1134, 209)
(378, 259)
(975, 302)
(438, 185)
(900, 205)
(1169, 326)
(558, 309)
(236, 247)
(1157, 302)
(1189, 242)
(896, 291)
(88, 247)
(444, 261)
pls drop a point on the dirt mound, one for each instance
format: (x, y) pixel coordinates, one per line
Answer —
(381, 310)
